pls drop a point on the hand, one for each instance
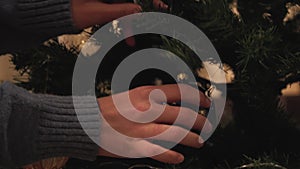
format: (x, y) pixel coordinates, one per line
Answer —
(145, 102)
(130, 41)
(158, 4)
(87, 13)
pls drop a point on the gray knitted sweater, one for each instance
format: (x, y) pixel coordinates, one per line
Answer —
(32, 126)
(24, 23)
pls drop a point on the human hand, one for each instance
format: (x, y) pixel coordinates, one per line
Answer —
(146, 102)
(87, 13)
(158, 4)
(130, 41)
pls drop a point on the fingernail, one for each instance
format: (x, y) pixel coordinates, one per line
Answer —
(180, 158)
(200, 140)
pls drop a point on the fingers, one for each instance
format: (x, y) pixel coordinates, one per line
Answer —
(187, 118)
(170, 134)
(130, 41)
(158, 4)
(89, 13)
(170, 157)
(159, 153)
(144, 148)
(175, 133)
(173, 94)
(115, 11)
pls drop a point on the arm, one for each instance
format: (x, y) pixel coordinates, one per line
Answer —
(35, 127)
(25, 23)
(91, 12)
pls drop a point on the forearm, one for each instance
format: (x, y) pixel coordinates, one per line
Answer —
(35, 127)
(26, 23)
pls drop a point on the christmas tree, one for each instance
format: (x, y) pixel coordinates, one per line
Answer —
(260, 42)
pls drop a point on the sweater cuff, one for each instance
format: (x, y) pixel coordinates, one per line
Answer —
(50, 17)
(61, 133)
(46, 126)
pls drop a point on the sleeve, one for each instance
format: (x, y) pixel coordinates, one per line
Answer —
(25, 23)
(35, 127)
(49, 17)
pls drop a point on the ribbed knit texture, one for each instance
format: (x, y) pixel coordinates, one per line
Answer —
(28, 23)
(44, 126)
(51, 17)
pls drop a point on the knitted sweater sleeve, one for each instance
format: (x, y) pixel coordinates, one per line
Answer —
(26, 23)
(35, 127)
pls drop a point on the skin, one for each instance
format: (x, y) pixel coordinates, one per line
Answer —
(87, 13)
(142, 99)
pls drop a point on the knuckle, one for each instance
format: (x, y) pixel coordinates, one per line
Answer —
(144, 90)
(177, 132)
(143, 106)
(188, 116)
(157, 129)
